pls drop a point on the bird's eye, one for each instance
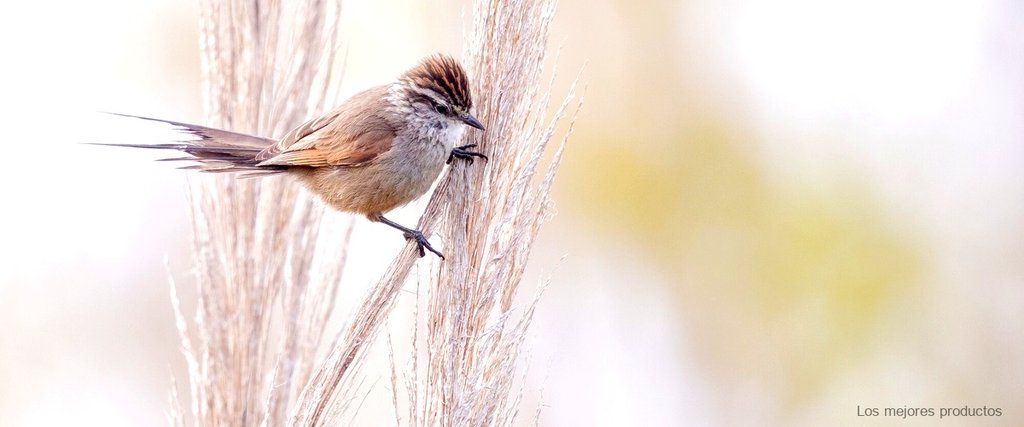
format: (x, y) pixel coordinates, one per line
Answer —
(442, 109)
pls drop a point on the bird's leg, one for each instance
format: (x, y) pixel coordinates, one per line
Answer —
(464, 154)
(410, 234)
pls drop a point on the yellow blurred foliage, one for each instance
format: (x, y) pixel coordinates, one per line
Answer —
(781, 285)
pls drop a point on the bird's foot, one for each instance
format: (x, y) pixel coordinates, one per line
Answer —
(421, 242)
(464, 154)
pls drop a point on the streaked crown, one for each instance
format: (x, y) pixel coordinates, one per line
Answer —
(444, 76)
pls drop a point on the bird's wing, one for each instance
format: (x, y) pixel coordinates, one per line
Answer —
(332, 149)
(351, 135)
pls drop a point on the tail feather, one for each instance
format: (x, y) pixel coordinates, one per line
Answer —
(175, 159)
(215, 150)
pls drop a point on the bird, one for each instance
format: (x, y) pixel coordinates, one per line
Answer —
(379, 149)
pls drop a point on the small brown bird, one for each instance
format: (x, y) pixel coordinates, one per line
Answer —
(380, 149)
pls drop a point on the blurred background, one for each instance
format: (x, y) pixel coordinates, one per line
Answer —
(770, 213)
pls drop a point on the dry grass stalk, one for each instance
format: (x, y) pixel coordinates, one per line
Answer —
(489, 217)
(258, 242)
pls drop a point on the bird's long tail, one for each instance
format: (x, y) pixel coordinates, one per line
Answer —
(213, 150)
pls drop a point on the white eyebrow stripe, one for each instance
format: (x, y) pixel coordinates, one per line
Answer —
(430, 93)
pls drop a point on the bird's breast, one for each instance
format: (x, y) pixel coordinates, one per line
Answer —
(393, 179)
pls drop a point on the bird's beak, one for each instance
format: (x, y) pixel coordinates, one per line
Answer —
(472, 121)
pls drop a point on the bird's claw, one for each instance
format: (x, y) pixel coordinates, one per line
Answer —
(422, 243)
(464, 154)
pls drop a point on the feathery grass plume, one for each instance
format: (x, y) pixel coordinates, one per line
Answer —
(259, 242)
(488, 218)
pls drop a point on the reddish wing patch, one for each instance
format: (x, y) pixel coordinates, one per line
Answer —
(351, 135)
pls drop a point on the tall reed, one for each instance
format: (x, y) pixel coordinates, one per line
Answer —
(267, 266)
(260, 243)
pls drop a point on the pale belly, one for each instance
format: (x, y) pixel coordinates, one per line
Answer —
(387, 182)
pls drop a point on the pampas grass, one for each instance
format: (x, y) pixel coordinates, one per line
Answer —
(258, 246)
(265, 256)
